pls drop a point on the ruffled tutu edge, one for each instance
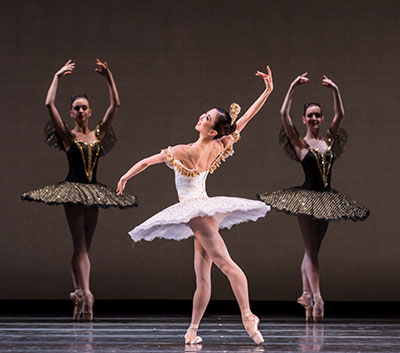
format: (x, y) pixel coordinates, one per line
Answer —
(364, 212)
(226, 220)
(108, 196)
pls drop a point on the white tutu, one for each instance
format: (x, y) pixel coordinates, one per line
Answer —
(173, 222)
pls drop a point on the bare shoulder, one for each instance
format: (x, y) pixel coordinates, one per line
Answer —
(228, 140)
(179, 151)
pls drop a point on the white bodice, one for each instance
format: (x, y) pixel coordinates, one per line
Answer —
(190, 187)
(191, 183)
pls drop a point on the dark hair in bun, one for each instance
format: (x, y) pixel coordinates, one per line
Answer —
(223, 124)
(74, 98)
(307, 105)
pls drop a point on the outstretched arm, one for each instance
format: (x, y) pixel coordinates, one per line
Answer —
(138, 168)
(50, 103)
(337, 104)
(257, 105)
(285, 114)
(103, 69)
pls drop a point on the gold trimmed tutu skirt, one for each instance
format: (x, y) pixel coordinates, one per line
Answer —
(328, 205)
(82, 194)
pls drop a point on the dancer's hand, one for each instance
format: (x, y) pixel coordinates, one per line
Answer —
(121, 185)
(328, 83)
(102, 68)
(299, 80)
(67, 69)
(267, 78)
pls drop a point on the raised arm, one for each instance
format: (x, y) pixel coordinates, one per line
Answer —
(257, 105)
(138, 168)
(50, 103)
(295, 140)
(103, 69)
(337, 104)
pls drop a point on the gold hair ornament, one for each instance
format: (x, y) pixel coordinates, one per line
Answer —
(234, 111)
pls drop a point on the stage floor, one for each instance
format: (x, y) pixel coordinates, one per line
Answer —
(221, 333)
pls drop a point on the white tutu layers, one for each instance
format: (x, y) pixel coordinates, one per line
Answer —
(173, 222)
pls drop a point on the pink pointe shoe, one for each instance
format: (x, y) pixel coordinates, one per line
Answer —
(88, 300)
(306, 302)
(191, 335)
(250, 323)
(318, 310)
(77, 299)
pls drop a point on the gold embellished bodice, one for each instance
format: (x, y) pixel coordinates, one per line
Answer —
(317, 168)
(82, 157)
(90, 154)
(82, 160)
(317, 165)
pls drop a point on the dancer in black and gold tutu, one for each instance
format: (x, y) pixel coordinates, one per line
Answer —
(315, 203)
(80, 193)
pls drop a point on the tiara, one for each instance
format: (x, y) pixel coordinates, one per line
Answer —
(234, 111)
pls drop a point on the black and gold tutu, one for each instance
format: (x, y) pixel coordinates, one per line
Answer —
(92, 195)
(80, 186)
(325, 205)
(315, 198)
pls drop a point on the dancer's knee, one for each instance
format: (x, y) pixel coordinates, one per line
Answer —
(303, 266)
(227, 266)
(203, 285)
(310, 256)
(80, 251)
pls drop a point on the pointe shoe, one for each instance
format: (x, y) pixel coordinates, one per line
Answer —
(77, 298)
(88, 300)
(318, 309)
(191, 335)
(306, 302)
(250, 323)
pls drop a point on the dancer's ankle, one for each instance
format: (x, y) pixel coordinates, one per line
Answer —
(246, 313)
(191, 335)
(86, 292)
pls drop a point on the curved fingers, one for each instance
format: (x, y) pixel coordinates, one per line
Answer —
(121, 186)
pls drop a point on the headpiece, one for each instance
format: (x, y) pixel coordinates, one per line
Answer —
(234, 111)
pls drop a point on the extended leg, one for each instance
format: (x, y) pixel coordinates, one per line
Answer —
(206, 232)
(308, 228)
(201, 297)
(91, 216)
(79, 262)
(313, 233)
(202, 267)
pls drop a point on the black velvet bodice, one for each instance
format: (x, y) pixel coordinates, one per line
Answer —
(82, 160)
(317, 167)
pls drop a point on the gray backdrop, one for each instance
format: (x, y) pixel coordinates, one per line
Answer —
(172, 60)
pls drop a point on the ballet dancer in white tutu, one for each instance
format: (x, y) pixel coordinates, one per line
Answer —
(202, 216)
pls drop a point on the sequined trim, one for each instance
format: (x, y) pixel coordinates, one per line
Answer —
(53, 140)
(225, 154)
(336, 143)
(90, 195)
(176, 164)
(323, 205)
(91, 150)
(324, 162)
(173, 163)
